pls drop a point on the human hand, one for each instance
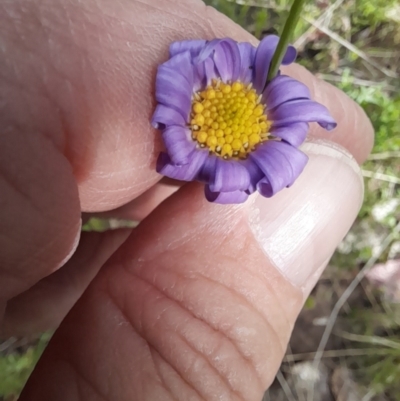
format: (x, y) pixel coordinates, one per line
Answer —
(199, 302)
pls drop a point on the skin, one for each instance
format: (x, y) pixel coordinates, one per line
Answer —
(190, 306)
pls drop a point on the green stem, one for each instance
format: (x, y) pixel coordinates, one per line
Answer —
(288, 29)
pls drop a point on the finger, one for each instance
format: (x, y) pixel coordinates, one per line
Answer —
(200, 302)
(104, 90)
(76, 122)
(43, 306)
(40, 212)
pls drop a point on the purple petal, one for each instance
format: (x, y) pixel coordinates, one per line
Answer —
(281, 163)
(264, 187)
(225, 198)
(203, 74)
(290, 55)
(255, 174)
(295, 134)
(227, 60)
(264, 54)
(179, 144)
(193, 46)
(207, 172)
(188, 172)
(282, 89)
(199, 77)
(247, 55)
(226, 56)
(302, 111)
(165, 116)
(174, 91)
(229, 176)
(182, 64)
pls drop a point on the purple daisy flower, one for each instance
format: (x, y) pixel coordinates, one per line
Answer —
(221, 126)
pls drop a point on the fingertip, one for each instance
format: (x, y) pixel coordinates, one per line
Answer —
(71, 244)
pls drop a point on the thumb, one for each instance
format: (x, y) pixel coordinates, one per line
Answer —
(200, 302)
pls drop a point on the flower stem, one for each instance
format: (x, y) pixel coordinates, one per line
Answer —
(288, 29)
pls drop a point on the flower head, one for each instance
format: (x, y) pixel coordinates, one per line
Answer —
(222, 127)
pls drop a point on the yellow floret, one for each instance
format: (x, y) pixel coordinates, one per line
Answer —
(221, 141)
(210, 94)
(258, 111)
(228, 138)
(202, 137)
(212, 142)
(244, 139)
(236, 144)
(251, 96)
(237, 86)
(199, 119)
(254, 139)
(198, 108)
(226, 150)
(225, 88)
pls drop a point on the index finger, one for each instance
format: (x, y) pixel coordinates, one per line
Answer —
(96, 63)
(79, 80)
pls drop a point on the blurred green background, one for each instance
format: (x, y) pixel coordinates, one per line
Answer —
(355, 45)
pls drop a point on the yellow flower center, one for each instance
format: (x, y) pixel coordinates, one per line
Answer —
(229, 119)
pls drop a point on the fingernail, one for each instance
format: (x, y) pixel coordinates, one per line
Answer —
(72, 248)
(300, 227)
